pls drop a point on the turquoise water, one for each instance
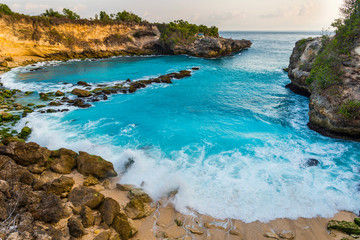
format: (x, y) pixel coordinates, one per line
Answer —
(230, 138)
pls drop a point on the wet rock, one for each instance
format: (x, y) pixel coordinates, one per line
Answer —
(61, 186)
(59, 93)
(6, 116)
(103, 235)
(87, 216)
(139, 194)
(136, 209)
(195, 230)
(76, 229)
(195, 68)
(81, 92)
(85, 196)
(25, 132)
(312, 162)
(179, 222)
(90, 180)
(44, 96)
(65, 162)
(79, 103)
(26, 153)
(287, 235)
(90, 164)
(343, 226)
(108, 210)
(82, 83)
(124, 226)
(54, 103)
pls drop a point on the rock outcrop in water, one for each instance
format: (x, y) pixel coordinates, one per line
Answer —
(334, 110)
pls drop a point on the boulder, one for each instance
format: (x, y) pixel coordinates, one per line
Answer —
(11, 172)
(139, 194)
(80, 196)
(124, 226)
(87, 217)
(108, 210)
(26, 153)
(50, 209)
(81, 92)
(90, 164)
(76, 229)
(343, 226)
(90, 180)
(65, 161)
(59, 93)
(124, 187)
(61, 186)
(136, 209)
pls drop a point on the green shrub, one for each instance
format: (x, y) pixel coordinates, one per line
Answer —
(350, 109)
(51, 13)
(70, 14)
(128, 17)
(4, 9)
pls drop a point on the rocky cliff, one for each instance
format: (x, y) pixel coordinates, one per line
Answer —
(25, 39)
(334, 109)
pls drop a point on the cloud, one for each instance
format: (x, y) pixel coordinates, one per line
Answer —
(305, 9)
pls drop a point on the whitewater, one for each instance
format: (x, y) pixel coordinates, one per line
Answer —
(231, 139)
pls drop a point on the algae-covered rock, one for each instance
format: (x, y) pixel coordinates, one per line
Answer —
(25, 132)
(81, 92)
(139, 194)
(59, 93)
(6, 116)
(90, 180)
(124, 226)
(61, 186)
(343, 226)
(90, 164)
(136, 209)
(44, 96)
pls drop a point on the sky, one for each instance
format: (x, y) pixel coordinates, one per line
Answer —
(248, 15)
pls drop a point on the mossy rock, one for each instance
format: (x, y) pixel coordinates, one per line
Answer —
(44, 96)
(6, 116)
(343, 226)
(59, 93)
(25, 132)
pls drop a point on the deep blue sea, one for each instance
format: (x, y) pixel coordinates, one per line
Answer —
(231, 138)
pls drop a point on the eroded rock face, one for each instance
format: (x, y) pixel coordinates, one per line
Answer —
(301, 61)
(210, 47)
(330, 109)
(90, 164)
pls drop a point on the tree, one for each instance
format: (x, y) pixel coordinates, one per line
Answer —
(70, 14)
(51, 13)
(5, 9)
(104, 17)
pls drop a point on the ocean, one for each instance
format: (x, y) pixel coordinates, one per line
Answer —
(231, 139)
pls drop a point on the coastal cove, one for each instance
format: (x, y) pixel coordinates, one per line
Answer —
(228, 138)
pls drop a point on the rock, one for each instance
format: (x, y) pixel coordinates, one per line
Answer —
(124, 226)
(124, 187)
(287, 235)
(108, 210)
(136, 209)
(65, 162)
(81, 92)
(82, 83)
(179, 222)
(4, 188)
(312, 162)
(50, 209)
(139, 194)
(161, 235)
(6, 116)
(76, 229)
(26, 153)
(61, 186)
(103, 235)
(87, 216)
(25, 132)
(271, 235)
(90, 180)
(343, 226)
(11, 172)
(195, 230)
(90, 164)
(59, 93)
(85, 196)
(44, 96)
(36, 168)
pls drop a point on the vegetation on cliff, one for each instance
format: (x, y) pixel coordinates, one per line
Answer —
(183, 31)
(327, 66)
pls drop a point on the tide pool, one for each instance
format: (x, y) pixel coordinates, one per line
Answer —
(231, 138)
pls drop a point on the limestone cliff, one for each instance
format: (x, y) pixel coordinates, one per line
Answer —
(333, 110)
(25, 39)
(33, 39)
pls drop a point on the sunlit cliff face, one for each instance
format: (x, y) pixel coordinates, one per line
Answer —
(226, 14)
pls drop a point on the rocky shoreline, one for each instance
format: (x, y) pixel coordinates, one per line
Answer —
(334, 110)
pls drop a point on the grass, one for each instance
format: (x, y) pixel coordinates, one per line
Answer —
(350, 109)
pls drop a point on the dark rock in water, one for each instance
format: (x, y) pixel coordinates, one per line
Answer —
(128, 80)
(80, 196)
(312, 162)
(129, 163)
(82, 83)
(81, 92)
(195, 68)
(76, 229)
(95, 165)
(59, 93)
